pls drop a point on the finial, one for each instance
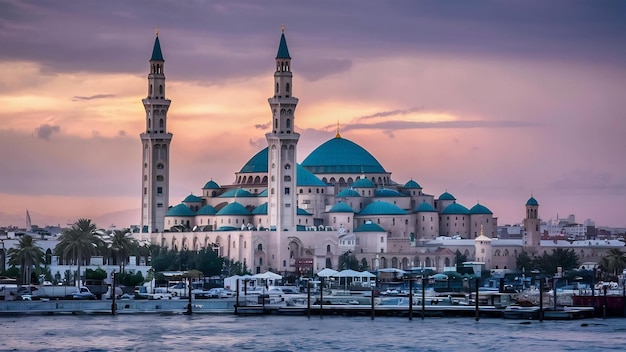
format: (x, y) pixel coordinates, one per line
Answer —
(481, 230)
(282, 28)
(157, 31)
(337, 135)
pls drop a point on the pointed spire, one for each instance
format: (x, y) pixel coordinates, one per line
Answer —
(157, 55)
(337, 135)
(283, 52)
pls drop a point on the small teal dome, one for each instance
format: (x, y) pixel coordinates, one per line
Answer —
(385, 192)
(412, 185)
(211, 185)
(341, 156)
(341, 208)
(425, 208)
(233, 208)
(446, 196)
(207, 210)
(348, 192)
(303, 212)
(382, 208)
(369, 227)
(363, 183)
(257, 164)
(180, 210)
(236, 192)
(455, 208)
(192, 199)
(480, 209)
(260, 210)
(532, 202)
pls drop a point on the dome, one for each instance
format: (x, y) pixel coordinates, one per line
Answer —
(385, 192)
(257, 164)
(211, 185)
(236, 192)
(532, 202)
(180, 210)
(455, 208)
(192, 199)
(305, 178)
(412, 185)
(348, 192)
(206, 210)
(263, 193)
(382, 208)
(341, 156)
(446, 196)
(363, 183)
(341, 208)
(260, 210)
(369, 227)
(233, 208)
(480, 209)
(303, 212)
(426, 208)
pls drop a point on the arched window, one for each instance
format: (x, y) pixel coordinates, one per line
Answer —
(327, 248)
(161, 89)
(259, 247)
(287, 88)
(161, 123)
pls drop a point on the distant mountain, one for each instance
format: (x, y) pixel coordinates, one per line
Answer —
(120, 219)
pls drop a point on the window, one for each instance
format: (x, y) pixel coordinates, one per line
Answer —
(286, 190)
(160, 178)
(145, 190)
(159, 205)
(159, 190)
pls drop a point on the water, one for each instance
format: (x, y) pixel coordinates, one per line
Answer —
(204, 332)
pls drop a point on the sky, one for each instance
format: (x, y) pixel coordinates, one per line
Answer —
(492, 101)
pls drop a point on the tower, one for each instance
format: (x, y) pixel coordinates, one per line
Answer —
(155, 147)
(532, 234)
(282, 143)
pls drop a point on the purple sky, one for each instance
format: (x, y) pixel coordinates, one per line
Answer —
(489, 100)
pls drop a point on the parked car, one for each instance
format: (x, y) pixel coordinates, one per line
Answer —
(83, 293)
(216, 293)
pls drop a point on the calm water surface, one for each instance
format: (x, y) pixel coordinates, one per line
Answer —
(151, 332)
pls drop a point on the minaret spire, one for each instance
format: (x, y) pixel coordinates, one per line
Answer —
(155, 146)
(282, 145)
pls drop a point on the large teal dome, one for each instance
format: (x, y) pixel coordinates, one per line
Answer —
(258, 163)
(341, 156)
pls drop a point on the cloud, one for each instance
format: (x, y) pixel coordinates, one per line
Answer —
(390, 113)
(262, 126)
(395, 125)
(320, 68)
(92, 97)
(45, 131)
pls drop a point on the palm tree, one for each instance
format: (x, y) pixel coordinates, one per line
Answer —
(614, 262)
(78, 243)
(26, 255)
(122, 244)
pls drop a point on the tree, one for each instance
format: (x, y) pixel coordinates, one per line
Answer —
(26, 255)
(121, 243)
(548, 263)
(348, 261)
(460, 258)
(614, 262)
(78, 243)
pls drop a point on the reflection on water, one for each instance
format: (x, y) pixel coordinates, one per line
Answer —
(152, 332)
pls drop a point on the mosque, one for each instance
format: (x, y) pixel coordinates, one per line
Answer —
(291, 217)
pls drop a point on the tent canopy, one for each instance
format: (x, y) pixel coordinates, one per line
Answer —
(327, 272)
(267, 275)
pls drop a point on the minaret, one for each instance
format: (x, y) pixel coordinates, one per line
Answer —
(282, 143)
(532, 233)
(155, 142)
